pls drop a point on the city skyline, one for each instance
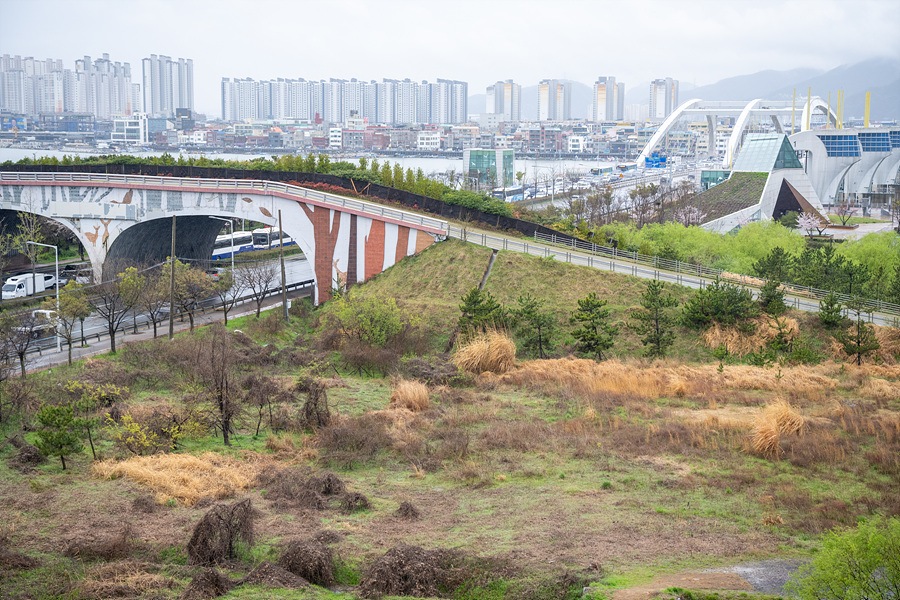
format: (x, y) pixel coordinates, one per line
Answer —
(697, 42)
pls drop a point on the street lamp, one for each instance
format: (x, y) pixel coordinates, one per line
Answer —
(230, 224)
(56, 260)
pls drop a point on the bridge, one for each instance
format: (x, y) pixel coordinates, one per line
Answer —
(127, 219)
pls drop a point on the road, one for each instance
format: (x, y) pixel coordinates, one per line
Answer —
(623, 266)
(297, 269)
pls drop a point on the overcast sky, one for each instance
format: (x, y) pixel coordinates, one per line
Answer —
(478, 41)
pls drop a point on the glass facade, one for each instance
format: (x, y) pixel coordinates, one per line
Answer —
(763, 153)
(872, 141)
(840, 145)
(895, 139)
(491, 167)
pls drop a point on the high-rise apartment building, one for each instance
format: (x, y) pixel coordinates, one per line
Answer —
(607, 100)
(168, 85)
(663, 97)
(503, 98)
(101, 87)
(391, 102)
(554, 100)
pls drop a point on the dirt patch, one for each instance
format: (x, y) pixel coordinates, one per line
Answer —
(208, 584)
(688, 581)
(312, 561)
(27, 457)
(14, 560)
(271, 575)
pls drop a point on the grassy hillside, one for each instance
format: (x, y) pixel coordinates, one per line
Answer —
(528, 484)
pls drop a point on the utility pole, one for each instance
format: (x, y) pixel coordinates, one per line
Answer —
(287, 316)
(172, 285)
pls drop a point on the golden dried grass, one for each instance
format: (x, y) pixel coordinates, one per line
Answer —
(284, 447)
(740, 343)
(775, 420)
(183, 477)
(493, 351)
(880, 390)
(410, 394)
(122, 578)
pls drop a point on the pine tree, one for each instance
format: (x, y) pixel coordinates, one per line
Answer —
(59, 434)
(860, 338)
(830, 311)
(534, 325)
(595, 334)
(480, 311)
(654, 322)
(771, 299)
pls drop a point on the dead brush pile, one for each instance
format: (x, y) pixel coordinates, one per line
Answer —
(775, 420)
(493, 351)
(122, 579)
(208, 584)
(409, 394)
(297, 487)
(271, 575)
(106, 546)
(182, 477)
(310, 560)
(740, 343)
(217, 532)
(411, 571)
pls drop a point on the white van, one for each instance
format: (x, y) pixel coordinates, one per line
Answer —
(20, 286)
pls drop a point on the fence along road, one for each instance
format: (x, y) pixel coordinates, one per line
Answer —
(653, 267)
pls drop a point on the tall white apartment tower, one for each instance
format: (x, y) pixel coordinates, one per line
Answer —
(503, 99)
(603, 99)
(168, 85)
(554, 100)
(663, 97)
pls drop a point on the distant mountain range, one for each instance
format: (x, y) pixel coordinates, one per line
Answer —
(881, 76)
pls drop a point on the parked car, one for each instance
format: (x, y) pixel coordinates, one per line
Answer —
(49, 281)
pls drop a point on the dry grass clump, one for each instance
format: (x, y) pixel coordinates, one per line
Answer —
(183, 477)
(407, 510)
(410, 394)
(776, 419)
(311, 560)
(880, 390)
(108, 547)
(741, 343)
(492, 351)
(122, 579)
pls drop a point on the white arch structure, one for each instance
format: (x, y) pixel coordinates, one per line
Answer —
(743, 111)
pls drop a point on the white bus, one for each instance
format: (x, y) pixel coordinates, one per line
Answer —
(269, 237)
(226, 248)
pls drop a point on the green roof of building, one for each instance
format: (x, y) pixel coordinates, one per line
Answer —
(738, 192)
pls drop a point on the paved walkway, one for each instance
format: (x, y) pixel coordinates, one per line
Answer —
(50, 358)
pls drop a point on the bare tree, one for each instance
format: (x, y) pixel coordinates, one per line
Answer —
(227, 291)
(643, 203)
(845, 211)
(112, 306)
(20, 333)
(7, 358)
(192, 286)
(155, 297)
(216, 370)
(259, 278)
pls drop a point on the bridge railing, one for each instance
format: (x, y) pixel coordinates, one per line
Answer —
(265, 187)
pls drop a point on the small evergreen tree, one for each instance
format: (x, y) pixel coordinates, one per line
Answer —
(60, 431)
(654, 322)
(534, 325)
(830, 311)
(595, 334)
(719, 302)
(480, 311)
(771, 299)
(860, 338)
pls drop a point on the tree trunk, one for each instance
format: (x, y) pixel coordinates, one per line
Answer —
(63, 459)
(191, 319)
(70, 351)
(22, 364)
(112, 340)
(154, 327)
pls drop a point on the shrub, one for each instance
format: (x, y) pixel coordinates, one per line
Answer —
(719, 302)
(862, 563)
(216, 534)
(310, 560)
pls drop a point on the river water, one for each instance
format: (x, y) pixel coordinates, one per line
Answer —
(543, 169)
